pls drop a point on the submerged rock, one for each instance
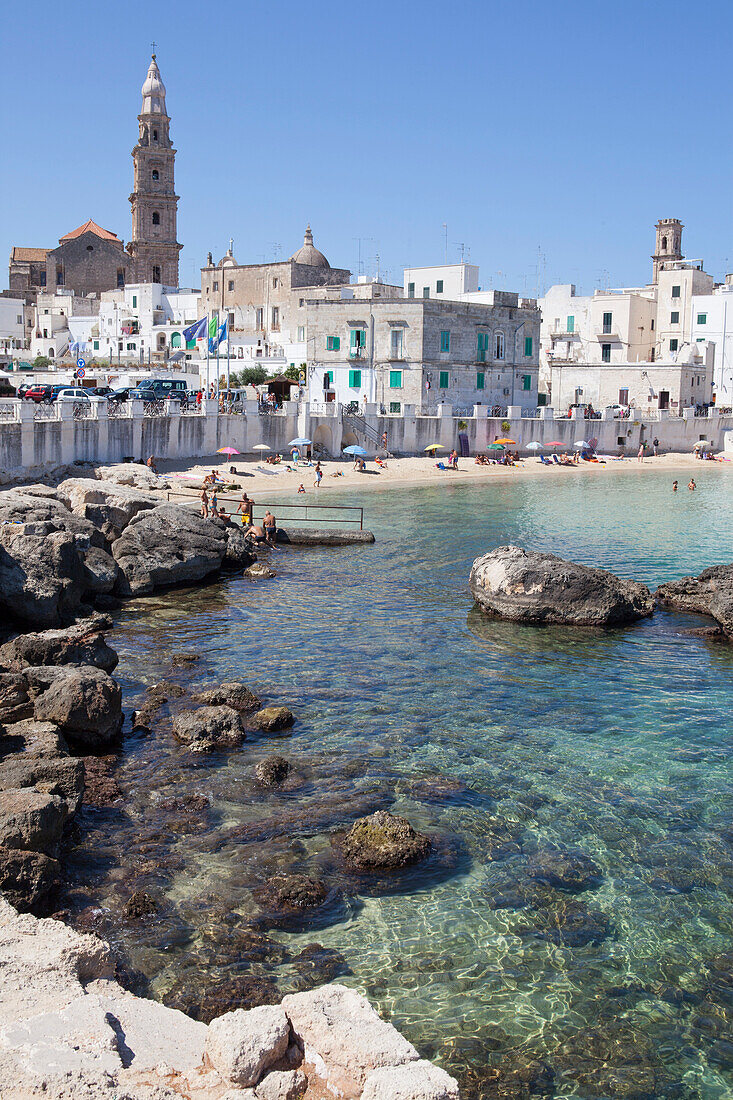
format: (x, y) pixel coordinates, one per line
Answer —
(140, 904)
(259, 571)
(273, 719)
(230, 694)
(316, 965)
(565, 870)
(382, 842)
(209, 728)
(273, 771)
(290, 894)
(571, 924)
(711, 593)
(528, 587)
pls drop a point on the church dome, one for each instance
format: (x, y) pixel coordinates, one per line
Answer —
(309, 254)
(153, 91)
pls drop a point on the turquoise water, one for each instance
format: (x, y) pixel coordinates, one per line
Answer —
(499, 740)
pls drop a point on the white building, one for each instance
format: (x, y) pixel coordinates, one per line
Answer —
(12, 328)
(447, 281)
(144, 323)
(712, 320)
(59, 318)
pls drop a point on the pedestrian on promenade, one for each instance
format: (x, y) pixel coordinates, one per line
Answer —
(655, 445)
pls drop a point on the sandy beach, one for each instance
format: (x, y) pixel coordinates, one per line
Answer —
(258, 478)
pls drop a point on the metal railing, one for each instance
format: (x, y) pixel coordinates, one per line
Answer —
(347, 515)
(45, 410)
(119, 410)
(359, 426)
(84, 410)
(7, 411)
(155, 408)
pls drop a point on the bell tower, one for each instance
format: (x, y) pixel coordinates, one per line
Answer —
(153, 245)
(669, 244)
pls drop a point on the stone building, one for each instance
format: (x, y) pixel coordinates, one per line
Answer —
(153, 246)
(87, 261)
(421, 352)
(27, 272)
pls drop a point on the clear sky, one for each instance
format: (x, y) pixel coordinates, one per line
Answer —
(548, 137)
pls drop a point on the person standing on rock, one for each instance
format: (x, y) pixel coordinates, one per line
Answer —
(214, 505)
(270, 525)
(204, 503)
(245, 507)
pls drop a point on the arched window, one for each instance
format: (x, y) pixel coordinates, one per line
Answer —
(50, 353)
(499, 345)
(156, 273)
(156, 174)
(664, 244)
(155, 135)
(161, 340)
(176, 340)
(156, 218)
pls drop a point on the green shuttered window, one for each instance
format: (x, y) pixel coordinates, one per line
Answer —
(355, 379)
(445, 340)
(527, 346)
(444, 380)
(395, 379)
(333, 343)
(480, 380)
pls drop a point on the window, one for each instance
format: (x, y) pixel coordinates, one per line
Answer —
(395, 407)
(333, 343)
(230, 284)
(395, 379)
(675, 292)
(444, 379)
(191, 345)
(395, 343)
(156, 273)
(355, 379)
(652, 324)
(673, 345)
(527, 346)
(426, 292)
(623, 397)
(410, 290)
(231, 321)
(130, 347)
(445, 340)
(120, 276)
(674, 317)
(276, 317)
(482, 346)
(664, 244)
(702, 318)
(439, 286)
(155, 135)
(275, 284)
(156, 175)
(605, 353)
(526, 381)
(607, 322)
(156, 218)
(96, 345)
(570, 324)
(499, 346)
(480, 380)
(176, 340)
(259, 317)
(59, 275)
(216, 284)
(19, 318)
(134, 301)
(357, 342)
(301, 333)
(301, 302)
(328, 380)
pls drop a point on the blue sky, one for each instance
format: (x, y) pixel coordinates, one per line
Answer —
(549, 137)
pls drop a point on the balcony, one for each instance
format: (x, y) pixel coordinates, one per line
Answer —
(608, 337)
(561, 334)
(357, 353)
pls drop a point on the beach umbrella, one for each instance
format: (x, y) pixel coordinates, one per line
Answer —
(495, 447)
(702, 444)
(511, 442)
(260, 447)
(556, 443)
(534, 446)
(299, 442)
(355, 450)
(228, 451)
(580, 443)
(435, 447)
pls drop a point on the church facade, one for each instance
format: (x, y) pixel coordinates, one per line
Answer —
(90, 259)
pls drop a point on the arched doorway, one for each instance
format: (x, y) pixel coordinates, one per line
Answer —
(322, 437)
(176, 340)
(161, 341)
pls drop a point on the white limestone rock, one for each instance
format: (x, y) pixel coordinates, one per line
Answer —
(77, 1038)
(416, 1079)
(107, 505)
(344, 1038)
(282, 1085)
(242, 1044)
(132, 474)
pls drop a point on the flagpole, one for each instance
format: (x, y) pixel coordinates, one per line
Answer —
(229, 396)
(207, 354)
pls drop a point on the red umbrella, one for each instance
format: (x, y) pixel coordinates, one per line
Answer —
(556, 443)
(228, 451)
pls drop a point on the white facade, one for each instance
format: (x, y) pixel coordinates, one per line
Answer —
(679, 282)
(712, 320)
(144, 322)
(12, 329)
(446, 281)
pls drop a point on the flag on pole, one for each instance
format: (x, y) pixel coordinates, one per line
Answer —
(213, 325)
(220, 334)
(196, 331)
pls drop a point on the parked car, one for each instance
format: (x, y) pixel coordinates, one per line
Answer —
(619, 411)
(167, 387)
(22, 389)
(99, 391)
(121, 394)
(73, 393)
(39, 393)
(147, 392)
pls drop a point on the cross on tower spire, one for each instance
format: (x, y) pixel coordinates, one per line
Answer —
(153, 44)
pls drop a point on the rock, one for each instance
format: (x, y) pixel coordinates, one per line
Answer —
(415, 1079)
(565, 870)
(181, 660)
(382, 842)
(318, 965)
(230, 694)
(81, 644)
(140, 904)
(241, 1045)
(711, 593)
(259, 571)
(15, 702)
(209, 728)
(571, 924)
(272, 719)
(211, 999)
(100, 786)
(84, 702)
(291, 893)
(341, 1033)
(32, 820)
(272, 771)
(106, 504)
(27, 878)
(166, 546)
(282, 1085)
(528, 587)
(100, 574)
(131, 474)
(56, 775)
(42, 578)
(31, 739)
(238, 554)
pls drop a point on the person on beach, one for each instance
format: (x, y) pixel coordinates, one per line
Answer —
(655, 445)
(204, 503)
(691, 484)
(384, 441)
(256, 533)
(270, 527)
(151, 464)
(214, 505)
(674, 486)
(319, 476)
(301, 488)
(245, 507)
(640, 455)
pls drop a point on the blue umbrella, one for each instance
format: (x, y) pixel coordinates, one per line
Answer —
(355, 451)
(299, 442)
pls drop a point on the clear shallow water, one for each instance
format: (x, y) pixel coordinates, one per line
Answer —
(499, 740)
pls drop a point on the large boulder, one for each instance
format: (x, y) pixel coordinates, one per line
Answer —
(106, 504)
(209, 728)
(32, 820)
(100, 571)
(406, 1082)
(84, 702)
(239, 554)
(709, 594)
(15, 702)
(273, 719)
(166, 546)
(381, 842)
(232, 693)
(81, 644)
(528, 587)
(42, 578)
(56, 775)
(242, 1044)
(131, 474)
(27, 878)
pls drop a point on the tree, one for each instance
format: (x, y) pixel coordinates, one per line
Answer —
(250, 376)
(41, 362)
(292, 372)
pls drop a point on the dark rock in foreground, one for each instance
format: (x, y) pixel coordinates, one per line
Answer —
(85, 703)
(209, 728)
(273, 771)
(709, 594)
(27, 878)
(81, 644)
(166, 546)
(528, 587)
(382, 842)
(231, 694)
